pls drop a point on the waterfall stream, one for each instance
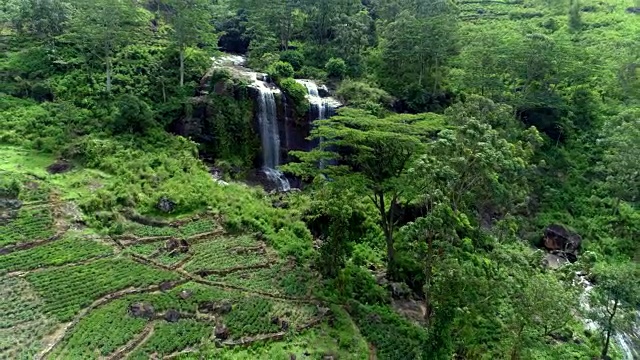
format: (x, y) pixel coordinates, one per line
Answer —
(628, 342)
(270, 136)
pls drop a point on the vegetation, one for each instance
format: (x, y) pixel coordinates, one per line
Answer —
(429, 221)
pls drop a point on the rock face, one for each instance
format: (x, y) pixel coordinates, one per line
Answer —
(559, 238)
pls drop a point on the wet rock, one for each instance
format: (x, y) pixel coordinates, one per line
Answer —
(172, 316)
(323, 91)
(221, 332)
(59, 167)
(141, 310)
(559, 238)
(166, 205)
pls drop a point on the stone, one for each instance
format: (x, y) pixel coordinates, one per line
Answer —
(212, 307)
(172, 316)
(166, 285)
(284, 325)
(185, 294)
(141, 310)
(166, 205)
(221, 332)
(323, 91)
(557, 237)
(633, 10)
(292, 357)
(59, 167)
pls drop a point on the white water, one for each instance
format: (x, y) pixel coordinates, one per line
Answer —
(627, 342)
(270, 135)
(321, 108)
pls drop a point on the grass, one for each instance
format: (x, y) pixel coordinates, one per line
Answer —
(67, 290)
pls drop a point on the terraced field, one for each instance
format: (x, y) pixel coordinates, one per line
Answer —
(151, 292)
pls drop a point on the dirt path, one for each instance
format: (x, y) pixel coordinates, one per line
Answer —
(134, 344)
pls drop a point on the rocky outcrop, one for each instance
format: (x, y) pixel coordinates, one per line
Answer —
(560, 239)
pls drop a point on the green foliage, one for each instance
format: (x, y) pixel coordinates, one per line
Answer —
(393, 336)
(297, 93)
(69, 289)
(364, 96)
(64, 251)
(102, 332)
(168, 338)
(133, 116)
(280, 70)
(251, 316)
(336, 68)
(29, 225)
(293, 57)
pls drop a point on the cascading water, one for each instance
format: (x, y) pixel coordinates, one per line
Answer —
(628, 341)
(321, 108)
(269, 135)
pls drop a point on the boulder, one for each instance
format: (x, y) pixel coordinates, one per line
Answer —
(221, 332)
(211, 307)
(172, 316)
(59, 167)
(633, 10)
(166, 205)
(559, 238)
(323, 91)
(141, 310)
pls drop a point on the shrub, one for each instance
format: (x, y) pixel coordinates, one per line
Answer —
(297, 93)
(293, 57)
(357, 283)
(364, 96)
(280, 70)
(336, 67)
(310, 72)
(134, 116)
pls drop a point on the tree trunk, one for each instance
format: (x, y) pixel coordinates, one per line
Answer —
(427, 287)
(181, 67)
(605, 349)
(388, 233)
(108, 74)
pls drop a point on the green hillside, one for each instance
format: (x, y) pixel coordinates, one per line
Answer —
(465, 179)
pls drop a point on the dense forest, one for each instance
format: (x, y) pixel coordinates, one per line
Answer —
(320, 179)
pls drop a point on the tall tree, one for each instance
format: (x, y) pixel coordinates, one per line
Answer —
(102, 27)
(371, 156)
(415, 48)
(191, 25)
(615, 299)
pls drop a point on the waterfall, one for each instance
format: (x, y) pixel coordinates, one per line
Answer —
(269, 135)
(628, 342)
(321, 108)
